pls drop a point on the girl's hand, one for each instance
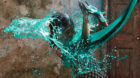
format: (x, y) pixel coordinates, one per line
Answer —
(58, 52)
(93, 10)
(83, 7)
(89, 9)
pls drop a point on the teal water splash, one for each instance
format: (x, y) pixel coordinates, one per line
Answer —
(104, 35)
(75, 55)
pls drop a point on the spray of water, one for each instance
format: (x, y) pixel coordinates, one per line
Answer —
(74, 55)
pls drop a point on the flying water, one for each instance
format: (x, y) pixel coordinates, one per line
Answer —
(75, 53)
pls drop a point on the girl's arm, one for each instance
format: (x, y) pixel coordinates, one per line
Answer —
(86, 28)
(86, 10)
(101, 23)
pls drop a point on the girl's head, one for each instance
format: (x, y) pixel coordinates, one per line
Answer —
(61, 25)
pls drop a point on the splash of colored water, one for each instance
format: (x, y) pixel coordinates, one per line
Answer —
(74, 55)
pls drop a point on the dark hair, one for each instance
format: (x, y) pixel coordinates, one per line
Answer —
(60, 20)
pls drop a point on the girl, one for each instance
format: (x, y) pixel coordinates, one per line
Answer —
(65, 24)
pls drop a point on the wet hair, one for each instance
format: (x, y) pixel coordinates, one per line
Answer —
(61, 20)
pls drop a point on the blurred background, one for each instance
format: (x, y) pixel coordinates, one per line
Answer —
(28, 58)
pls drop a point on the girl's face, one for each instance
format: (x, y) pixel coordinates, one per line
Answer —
(66, 34)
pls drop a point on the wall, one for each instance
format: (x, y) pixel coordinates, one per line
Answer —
(127, 41)
(20, 57)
